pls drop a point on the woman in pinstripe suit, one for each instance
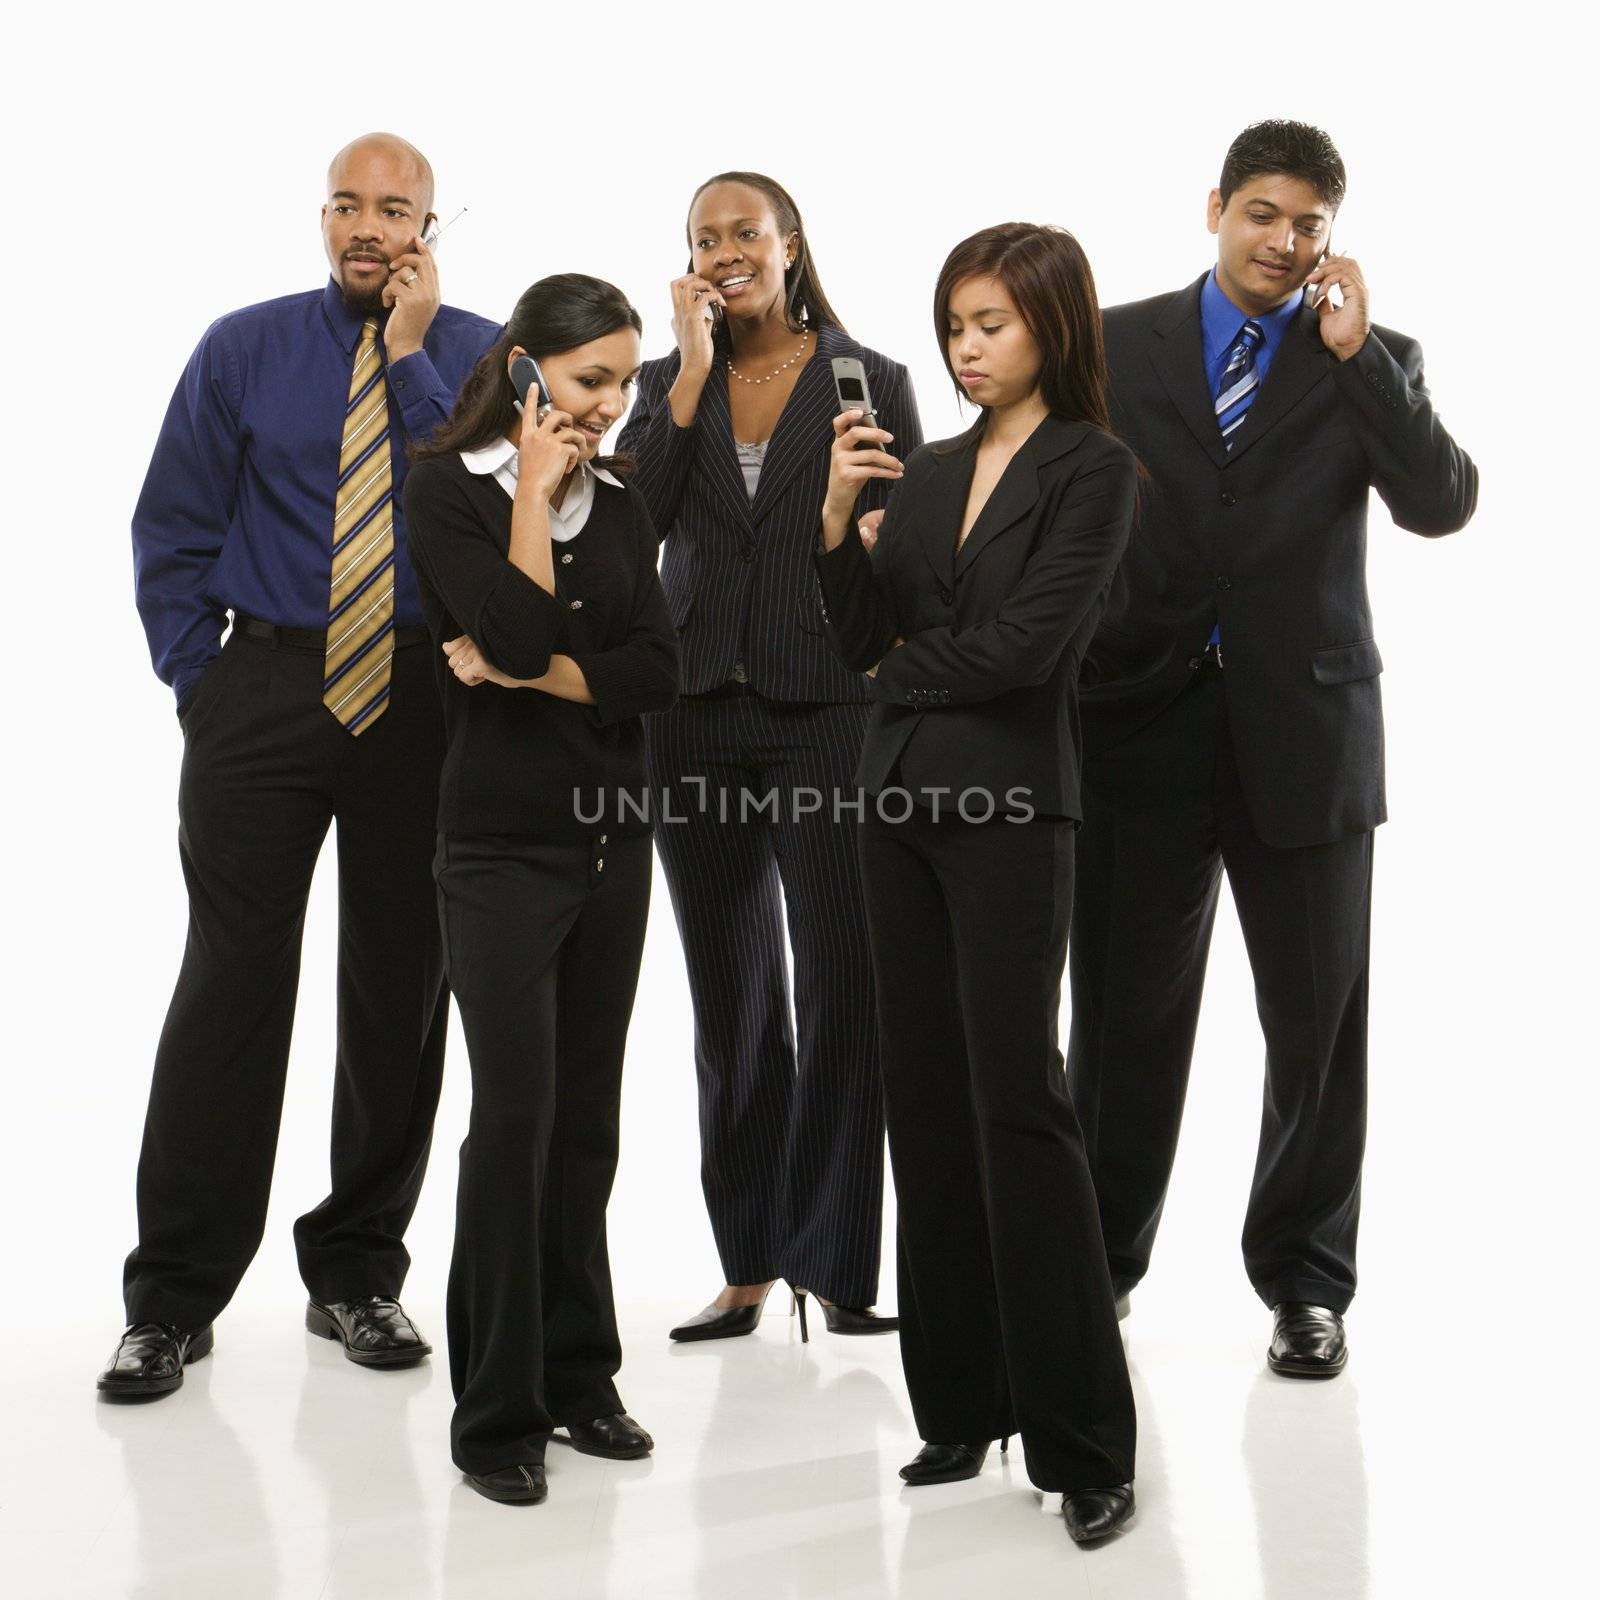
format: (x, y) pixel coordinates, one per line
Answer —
(732, 433)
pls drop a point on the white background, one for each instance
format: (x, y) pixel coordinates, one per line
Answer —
(167, 165)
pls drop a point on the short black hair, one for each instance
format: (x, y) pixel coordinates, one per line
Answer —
(1295, 149)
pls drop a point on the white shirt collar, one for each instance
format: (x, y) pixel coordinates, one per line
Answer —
(501, 452)
(567, 520)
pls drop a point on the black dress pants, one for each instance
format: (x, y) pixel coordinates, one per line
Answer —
(791, 1133)
(1007, 1322)
(1163, 816)
(543, 943)
(266, 768)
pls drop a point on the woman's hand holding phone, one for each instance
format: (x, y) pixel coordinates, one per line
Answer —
(549, 451)
(692, 299)
(857, 457)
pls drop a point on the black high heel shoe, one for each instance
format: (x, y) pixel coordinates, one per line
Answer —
(720, 1322)
(949, 1463)
(840, 1319)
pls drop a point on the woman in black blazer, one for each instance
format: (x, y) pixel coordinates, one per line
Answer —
(537, 567)
(732, 433)
(972, 611)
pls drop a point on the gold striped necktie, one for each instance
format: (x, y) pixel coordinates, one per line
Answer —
(355, 679)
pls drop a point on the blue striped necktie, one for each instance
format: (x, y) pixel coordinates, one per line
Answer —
(1235, 390)
(1239, 382)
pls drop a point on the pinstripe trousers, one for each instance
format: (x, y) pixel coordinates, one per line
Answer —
(791, 1113)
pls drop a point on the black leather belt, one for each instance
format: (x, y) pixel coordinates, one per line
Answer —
(307, 638)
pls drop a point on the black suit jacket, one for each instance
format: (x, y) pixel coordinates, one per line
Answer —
(736, 571)
(1269, 540)
(983, 692)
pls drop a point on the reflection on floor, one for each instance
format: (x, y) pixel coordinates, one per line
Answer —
(281, 1470)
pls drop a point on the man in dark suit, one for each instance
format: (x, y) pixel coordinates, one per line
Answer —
(1232, 720)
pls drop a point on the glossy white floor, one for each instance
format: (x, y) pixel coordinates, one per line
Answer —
(282, 1472)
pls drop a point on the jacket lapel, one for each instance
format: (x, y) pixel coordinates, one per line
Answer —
(1299, 362)
(1179, 359)
(942, 502)
(1017, 492)
(806, 417)
(717, 454)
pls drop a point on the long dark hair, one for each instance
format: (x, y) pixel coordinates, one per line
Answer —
(804, 303)
(1045, 271)
(553, 315)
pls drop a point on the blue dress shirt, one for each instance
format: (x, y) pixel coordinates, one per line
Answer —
(1221, 323)
(236, 512)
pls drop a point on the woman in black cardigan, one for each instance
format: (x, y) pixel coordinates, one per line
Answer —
(973, 611)
(537, 567)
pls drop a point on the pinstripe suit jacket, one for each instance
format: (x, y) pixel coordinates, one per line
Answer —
(737, 573)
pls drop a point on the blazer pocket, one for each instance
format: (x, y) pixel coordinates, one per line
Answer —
(1346, 663)
(808, 607)
(678, 574)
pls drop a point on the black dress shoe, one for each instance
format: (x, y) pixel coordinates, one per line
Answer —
(1307, 1341)
(842, 1319)
(375, 1332)
(149, 1361)
(1092, 1514)
(521, 1485)
(947, 1463)
(618, 1438)
(717, 1322)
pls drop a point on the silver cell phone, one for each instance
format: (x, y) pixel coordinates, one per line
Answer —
(431, 233)
(1313, 293)
(525, 374)
(850, 380)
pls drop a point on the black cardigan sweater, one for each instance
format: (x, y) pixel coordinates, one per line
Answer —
(519, 760)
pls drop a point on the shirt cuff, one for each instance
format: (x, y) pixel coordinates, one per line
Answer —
(419, 392)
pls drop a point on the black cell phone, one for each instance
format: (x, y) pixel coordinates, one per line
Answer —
(850, 382)
(525, 374)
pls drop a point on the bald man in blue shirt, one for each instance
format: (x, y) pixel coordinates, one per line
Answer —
(273, 496)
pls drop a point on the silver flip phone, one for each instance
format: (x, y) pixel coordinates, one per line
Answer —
(850, 380)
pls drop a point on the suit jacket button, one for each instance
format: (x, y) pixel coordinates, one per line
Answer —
(577, 605)
(1228, 499)
(747, 552)
(947, 595)
(1223, 583)
(566, 557)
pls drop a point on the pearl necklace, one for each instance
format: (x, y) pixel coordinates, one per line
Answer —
(805, 339)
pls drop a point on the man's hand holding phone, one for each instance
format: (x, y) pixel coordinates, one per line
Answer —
(1344, 327)
(413, 292)
(549, 451)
